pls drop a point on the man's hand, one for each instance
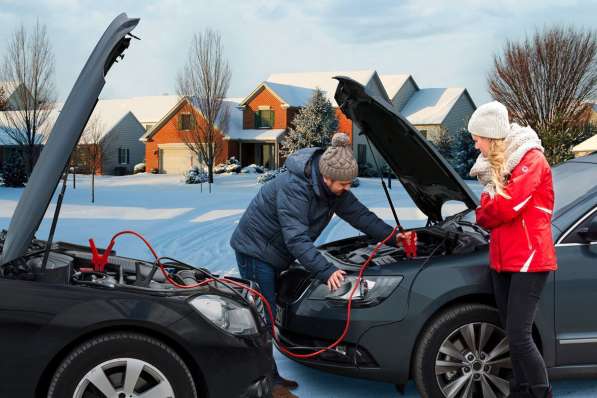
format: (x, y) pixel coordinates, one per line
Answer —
(336, 280)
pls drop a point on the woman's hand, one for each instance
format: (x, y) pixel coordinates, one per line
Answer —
(336, 280)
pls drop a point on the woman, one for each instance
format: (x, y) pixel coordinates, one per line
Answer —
(516, 206)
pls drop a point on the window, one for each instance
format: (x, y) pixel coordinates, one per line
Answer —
(361, 154)
(185, 121)
(264, 119)
(123, 155)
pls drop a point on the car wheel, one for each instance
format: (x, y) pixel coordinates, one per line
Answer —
(463, 353)
(122, 365)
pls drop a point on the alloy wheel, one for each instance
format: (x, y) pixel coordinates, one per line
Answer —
(124, 378)
(474, 362)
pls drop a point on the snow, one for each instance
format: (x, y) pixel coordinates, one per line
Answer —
(181, 221)
(431, 105)
(393, 83)
(298, 85)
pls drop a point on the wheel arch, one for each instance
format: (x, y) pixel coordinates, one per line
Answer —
(43, 384)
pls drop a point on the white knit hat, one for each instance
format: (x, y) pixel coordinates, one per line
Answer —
(490, 121)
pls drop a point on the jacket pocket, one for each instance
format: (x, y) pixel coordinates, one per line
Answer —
(526, 233)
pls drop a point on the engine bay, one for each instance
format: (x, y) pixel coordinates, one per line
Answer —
(72, 264)
(452, 236)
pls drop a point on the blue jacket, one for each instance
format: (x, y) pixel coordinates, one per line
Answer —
(287, 215)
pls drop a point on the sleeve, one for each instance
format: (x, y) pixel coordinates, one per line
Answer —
(360, 217)
(524, 182)
(293, 208)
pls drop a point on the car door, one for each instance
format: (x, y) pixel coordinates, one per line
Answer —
(576, 295)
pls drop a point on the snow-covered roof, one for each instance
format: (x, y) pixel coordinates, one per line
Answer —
(295, 89)
(589, 145)
(235, 126)
(431, 105)
(9, 87)
(393, 83)
(148, 109)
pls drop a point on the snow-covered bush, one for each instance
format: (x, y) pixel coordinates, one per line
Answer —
(231, 165)
(252, 168)
(13, 172)
(139, 168)
(195, 176)
(270, 175)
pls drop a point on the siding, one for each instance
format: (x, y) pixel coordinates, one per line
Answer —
(404, 94)
(264, 97)
(125, 133)
(459, 115)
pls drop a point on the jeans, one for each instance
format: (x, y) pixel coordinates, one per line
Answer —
(517, 296)
(265, 276)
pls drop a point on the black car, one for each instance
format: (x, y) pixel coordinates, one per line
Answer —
(129, 328)
(433, 318)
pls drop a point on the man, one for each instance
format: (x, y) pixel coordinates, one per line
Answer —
(285, 218)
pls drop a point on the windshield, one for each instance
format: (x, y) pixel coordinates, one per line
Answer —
(572, 180)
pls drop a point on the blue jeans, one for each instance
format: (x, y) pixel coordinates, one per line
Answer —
(266, 276)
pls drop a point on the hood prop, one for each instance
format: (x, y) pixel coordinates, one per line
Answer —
(54, 222)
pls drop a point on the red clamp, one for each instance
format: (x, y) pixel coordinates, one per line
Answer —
(99, 261)
(409, 242)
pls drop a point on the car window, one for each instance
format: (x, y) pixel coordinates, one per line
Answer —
(572, 180)
(573, 236)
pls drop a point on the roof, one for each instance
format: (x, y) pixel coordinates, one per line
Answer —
(431, 105)
(148, 109)
(235, 126)
(295, 89)
(393, 83)
(9, 87)
(589, 145)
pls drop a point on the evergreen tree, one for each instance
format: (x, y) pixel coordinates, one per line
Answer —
(463, 153)
(14, 173)
(445, 146)
(314, 125)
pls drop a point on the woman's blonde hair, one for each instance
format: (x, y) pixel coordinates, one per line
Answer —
(497, 162)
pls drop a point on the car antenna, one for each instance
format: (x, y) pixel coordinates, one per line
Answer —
(383, 183)
(54, 221)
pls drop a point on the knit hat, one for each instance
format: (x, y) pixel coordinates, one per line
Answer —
(337, 161)
(490, 121)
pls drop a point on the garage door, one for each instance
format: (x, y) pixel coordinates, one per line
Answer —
(176, 160)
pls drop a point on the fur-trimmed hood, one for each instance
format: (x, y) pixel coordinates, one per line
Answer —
(518, 142)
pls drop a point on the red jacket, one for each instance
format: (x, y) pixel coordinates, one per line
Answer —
(521, 238)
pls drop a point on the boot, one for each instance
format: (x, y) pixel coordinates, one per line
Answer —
(290, 384)
(279, 391)
(541, 391)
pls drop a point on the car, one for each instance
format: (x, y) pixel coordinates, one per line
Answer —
(84, 323)
(433, 317)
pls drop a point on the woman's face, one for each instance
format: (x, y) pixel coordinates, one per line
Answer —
(482, 144)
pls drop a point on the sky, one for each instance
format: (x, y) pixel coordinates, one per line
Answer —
(449, 43)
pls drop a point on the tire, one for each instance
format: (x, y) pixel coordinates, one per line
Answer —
(116, 355)
(471, 369)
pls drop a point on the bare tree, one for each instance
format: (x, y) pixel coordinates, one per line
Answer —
(93, 150)
(545, 81)
(28, 71)
(204, 80)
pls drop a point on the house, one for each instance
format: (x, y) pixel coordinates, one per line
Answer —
(275, 102)
(12, 95)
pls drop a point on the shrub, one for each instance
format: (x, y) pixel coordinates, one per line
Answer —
(13, 172)
(230, 166)
(195, 176)
(270, 175)
(139, 168)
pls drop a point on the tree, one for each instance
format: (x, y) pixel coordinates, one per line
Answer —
(3, 99)
(28, 69)
(93, 150)
(545, 82)
(204, 80)
(445, 145)
(13, 171)
(463, 153)
(313, 125)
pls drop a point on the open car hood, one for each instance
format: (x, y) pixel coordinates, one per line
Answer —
(64, 136)
(424, 173)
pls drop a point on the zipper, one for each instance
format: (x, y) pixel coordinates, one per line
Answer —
(526, 232)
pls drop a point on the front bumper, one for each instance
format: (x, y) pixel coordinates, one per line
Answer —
(227, 366)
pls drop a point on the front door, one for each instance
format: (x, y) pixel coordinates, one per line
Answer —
(576, 297)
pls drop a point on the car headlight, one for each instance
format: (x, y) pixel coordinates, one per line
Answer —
(226, 314)
(371, 290)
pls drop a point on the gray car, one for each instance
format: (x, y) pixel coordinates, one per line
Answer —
(433, 318)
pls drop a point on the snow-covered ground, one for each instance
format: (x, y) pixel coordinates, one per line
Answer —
(183, 222)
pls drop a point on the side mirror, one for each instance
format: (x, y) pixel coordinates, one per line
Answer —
(589, 233)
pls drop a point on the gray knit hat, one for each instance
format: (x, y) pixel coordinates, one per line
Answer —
(337, 161)
(490, 121)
